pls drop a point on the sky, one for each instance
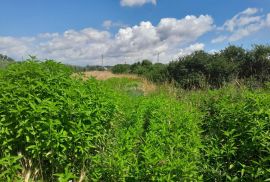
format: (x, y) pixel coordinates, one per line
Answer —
(80, 32)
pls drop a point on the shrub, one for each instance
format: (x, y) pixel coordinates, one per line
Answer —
(121, 68)
(257, 64)
(51, 120)
(157, 140)
(236, 135)
(157, 73)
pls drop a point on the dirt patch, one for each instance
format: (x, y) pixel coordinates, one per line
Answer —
(146, 86)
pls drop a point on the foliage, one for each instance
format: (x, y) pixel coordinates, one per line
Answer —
(236, 135)
(203, 70)
(257, 64)
(54, 127)
(154, 72)
(155, 139)
(121, 68)
(51, 119)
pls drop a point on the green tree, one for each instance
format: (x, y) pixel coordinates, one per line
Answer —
(257, 64)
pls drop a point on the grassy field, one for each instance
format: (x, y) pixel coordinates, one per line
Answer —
(55, 126)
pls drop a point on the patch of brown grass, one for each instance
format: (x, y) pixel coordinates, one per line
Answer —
(146, 86)
(104, 75)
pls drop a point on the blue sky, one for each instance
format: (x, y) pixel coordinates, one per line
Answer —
(80, 31)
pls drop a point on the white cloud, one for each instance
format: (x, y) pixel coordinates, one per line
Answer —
(190, 49)
(268, 20)
(129, 44)
(184, 30)
(241, 25)
(131, 3)
(15, 47)
(242, 19)
(108, 24)
(220, 38)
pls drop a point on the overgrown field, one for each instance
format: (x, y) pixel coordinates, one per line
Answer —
(55, 127)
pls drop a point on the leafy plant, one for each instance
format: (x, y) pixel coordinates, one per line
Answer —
(53, 120)
(236, 135)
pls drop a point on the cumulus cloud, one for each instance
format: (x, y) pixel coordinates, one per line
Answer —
(184, 30)
(129, 44)
(242, 25)
(131, 3)
(15, 47)
(190, 49)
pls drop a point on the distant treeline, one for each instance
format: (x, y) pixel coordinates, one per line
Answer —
(90, 68)
(202, 69)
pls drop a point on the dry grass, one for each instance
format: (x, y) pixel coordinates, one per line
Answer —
(146, 86)
(104, 75)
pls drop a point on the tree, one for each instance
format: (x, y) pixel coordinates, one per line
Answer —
(121, 68)
(257, 64)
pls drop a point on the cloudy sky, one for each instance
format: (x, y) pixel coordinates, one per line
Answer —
(79, 32)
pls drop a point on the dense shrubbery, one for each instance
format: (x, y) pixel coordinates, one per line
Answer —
(56, 127)
(121, 68)
(158, 140)
(89, 68)
(154, 72)
(51, 121)
(236, 139)
(201, 69)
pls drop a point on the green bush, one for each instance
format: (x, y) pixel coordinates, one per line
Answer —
(236, 135)
(121, 68)
(257, 64)
(157, 140)
(51, 120)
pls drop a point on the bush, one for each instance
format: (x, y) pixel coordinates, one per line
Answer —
(257, 64)
(51, 120)
(157, 73)
(157, 140)
(236, 135)
(121, 68)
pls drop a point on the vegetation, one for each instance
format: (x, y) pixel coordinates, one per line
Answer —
(52, 122)
(89, 68)
(154, 72)
(57, 127)
(204, 70)
(235, 135)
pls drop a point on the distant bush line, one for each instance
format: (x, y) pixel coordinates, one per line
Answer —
(202, 69)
